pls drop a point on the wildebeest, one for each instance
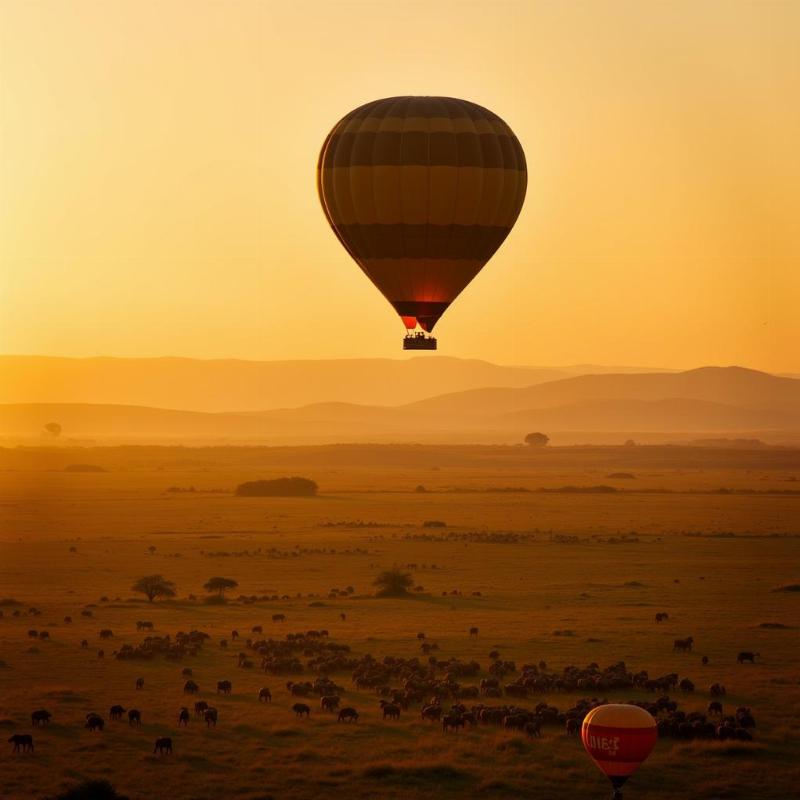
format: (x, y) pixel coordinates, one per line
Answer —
(67, 620)
(200, 707)
(715, 707)
(390, 710)
(134, 717)
(94, 722)
(747, 655)
(86, 613)
(210, 716)
(163, 746)
(234, 634)
(33, 634)
(301, 709)
(187, 672)
(183, 717)
(343, 616)
(573, 726)
(279, 617)
(432, 712)
(686, 685)
(716, 690)
(264, 695)
(84, 644)
(44, 635)
(704, 661)
(40, 717)
(533, 728)
(101, 653)
(190, 687)
(661, 616)
(257, 629)
(347, 715)
(106, 633)
(22, 741)
(452, 722)
(473, 631)
(140, 683)
(683, 645)
(224, 686)
(329, 702)
(142, 625)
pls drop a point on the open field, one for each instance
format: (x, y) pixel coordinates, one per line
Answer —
(706, 535)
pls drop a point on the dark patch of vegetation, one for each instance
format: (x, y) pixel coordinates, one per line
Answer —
(84, 468)
(775, 626)
(393, 583)
(434, 523)
(91, 790)
(278, 487)
(789, 587)
(435, 774)
(622, 476)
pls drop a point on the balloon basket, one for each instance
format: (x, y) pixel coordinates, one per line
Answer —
(419, 341)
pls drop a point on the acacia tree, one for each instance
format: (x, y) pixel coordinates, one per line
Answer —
(154, 586)
(220, 585)
(537, 439)
(393, 583)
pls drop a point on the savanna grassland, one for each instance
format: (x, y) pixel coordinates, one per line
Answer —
(707, 535)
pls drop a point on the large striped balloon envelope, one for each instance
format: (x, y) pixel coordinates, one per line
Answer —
(421, 191)
(618, 738)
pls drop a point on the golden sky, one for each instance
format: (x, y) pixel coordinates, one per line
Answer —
(157, 187)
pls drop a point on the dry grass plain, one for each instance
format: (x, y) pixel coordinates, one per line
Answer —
(717, 587)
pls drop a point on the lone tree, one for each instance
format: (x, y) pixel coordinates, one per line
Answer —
(220, 585)
(393, 583)
(537, 439)
(54, 429)
(154, 586)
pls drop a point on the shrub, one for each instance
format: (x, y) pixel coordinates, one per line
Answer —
(278, 487)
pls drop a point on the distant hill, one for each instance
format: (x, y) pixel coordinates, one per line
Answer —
(709, 400)
(734, 386)
(231, 385)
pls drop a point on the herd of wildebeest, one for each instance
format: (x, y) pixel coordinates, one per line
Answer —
(447, 692)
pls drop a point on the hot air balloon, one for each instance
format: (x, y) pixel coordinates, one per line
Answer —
(618, 738)
(421, 191)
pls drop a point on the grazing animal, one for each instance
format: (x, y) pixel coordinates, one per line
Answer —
(134, 717)
(704, 661)
(391, 711)
(163, 746)
(279, 617)
(452, 722)
(473, 631)
(22, 741)
(342, 616)
(683, 645)
(301, 709)
(717, 690)
(257, 629)
(747, 655)
(33, 634)
(715, 708)
(190, 687)
(40, 717)
(140, 683)
(210, 716)
(224, 686)
(116, 712)
(573, 726)
(264, 695)
(533, 728)
(144, 625)
(106, 633)
(662, 616)
(686, 685)
(101, 654)
(432, 712)
(94, 722)
(84, 644)
(183, 717)
(200, 707)
(67, 620)
(329, 702)
(234, 635)
(44, 635)
(347, 715)
(187, 672)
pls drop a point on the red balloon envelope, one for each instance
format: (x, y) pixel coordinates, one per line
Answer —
(618, 738)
